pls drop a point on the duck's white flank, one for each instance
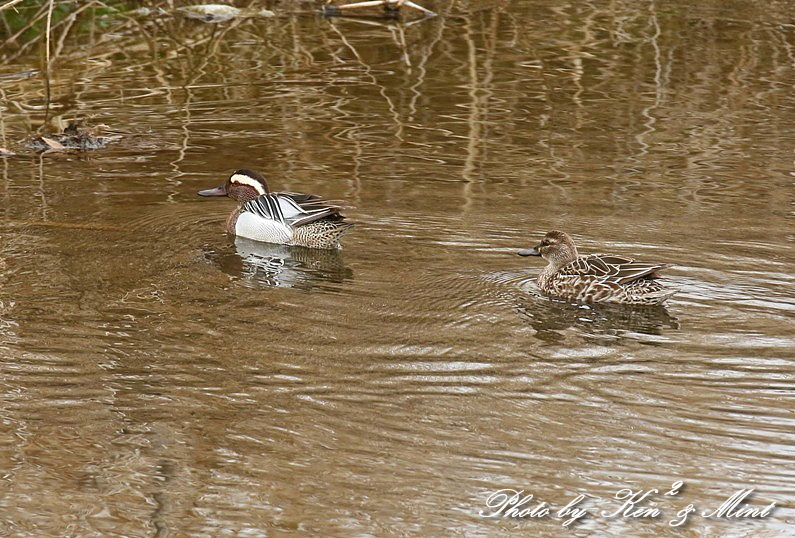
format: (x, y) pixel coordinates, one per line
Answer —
(257, 228)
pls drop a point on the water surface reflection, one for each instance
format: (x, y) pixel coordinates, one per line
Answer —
(264, 264)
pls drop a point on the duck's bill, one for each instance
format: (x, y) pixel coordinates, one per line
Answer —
(218, 191)
(529, 252)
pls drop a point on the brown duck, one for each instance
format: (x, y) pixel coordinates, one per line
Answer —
(597, 278)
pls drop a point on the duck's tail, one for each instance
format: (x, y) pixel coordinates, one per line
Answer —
(656, 297)
(339, 230)
(325, 233)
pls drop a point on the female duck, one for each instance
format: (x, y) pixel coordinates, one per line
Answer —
(597, 278)
(286, 218)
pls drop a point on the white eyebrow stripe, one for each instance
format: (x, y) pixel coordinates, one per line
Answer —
(251, 182)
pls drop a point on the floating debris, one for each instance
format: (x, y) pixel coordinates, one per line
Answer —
(52, 144)
(391, 8)
(74, 137)
(148, 12)
(211, 12)
(20, 76)
(221, 12)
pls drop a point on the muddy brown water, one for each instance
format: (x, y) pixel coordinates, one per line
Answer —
(158, 378)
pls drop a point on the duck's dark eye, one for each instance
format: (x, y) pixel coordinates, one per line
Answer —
(544, 243)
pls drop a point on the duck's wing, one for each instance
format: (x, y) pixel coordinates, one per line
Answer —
(611, 268)
(291, 208)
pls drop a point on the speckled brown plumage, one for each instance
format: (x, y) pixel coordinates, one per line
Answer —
(325, 233)
(597, 278)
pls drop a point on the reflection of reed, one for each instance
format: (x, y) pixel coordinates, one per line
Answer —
(382, 89)
(480, 92)
(474, 120)
(196, 73)
(425, 55)
(4, 161)
(677, 89)
(658, 85)
(41, 187)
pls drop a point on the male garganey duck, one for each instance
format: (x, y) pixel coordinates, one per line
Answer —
(286, 218)
(597, 278)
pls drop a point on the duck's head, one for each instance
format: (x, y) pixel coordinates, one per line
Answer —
(556, 247)
(242, 186)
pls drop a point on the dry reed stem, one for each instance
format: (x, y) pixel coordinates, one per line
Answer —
(41, 13)
(12, 3)
(47, 37)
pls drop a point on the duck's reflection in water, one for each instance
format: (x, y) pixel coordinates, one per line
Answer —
(266, 264)
(550, 316)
